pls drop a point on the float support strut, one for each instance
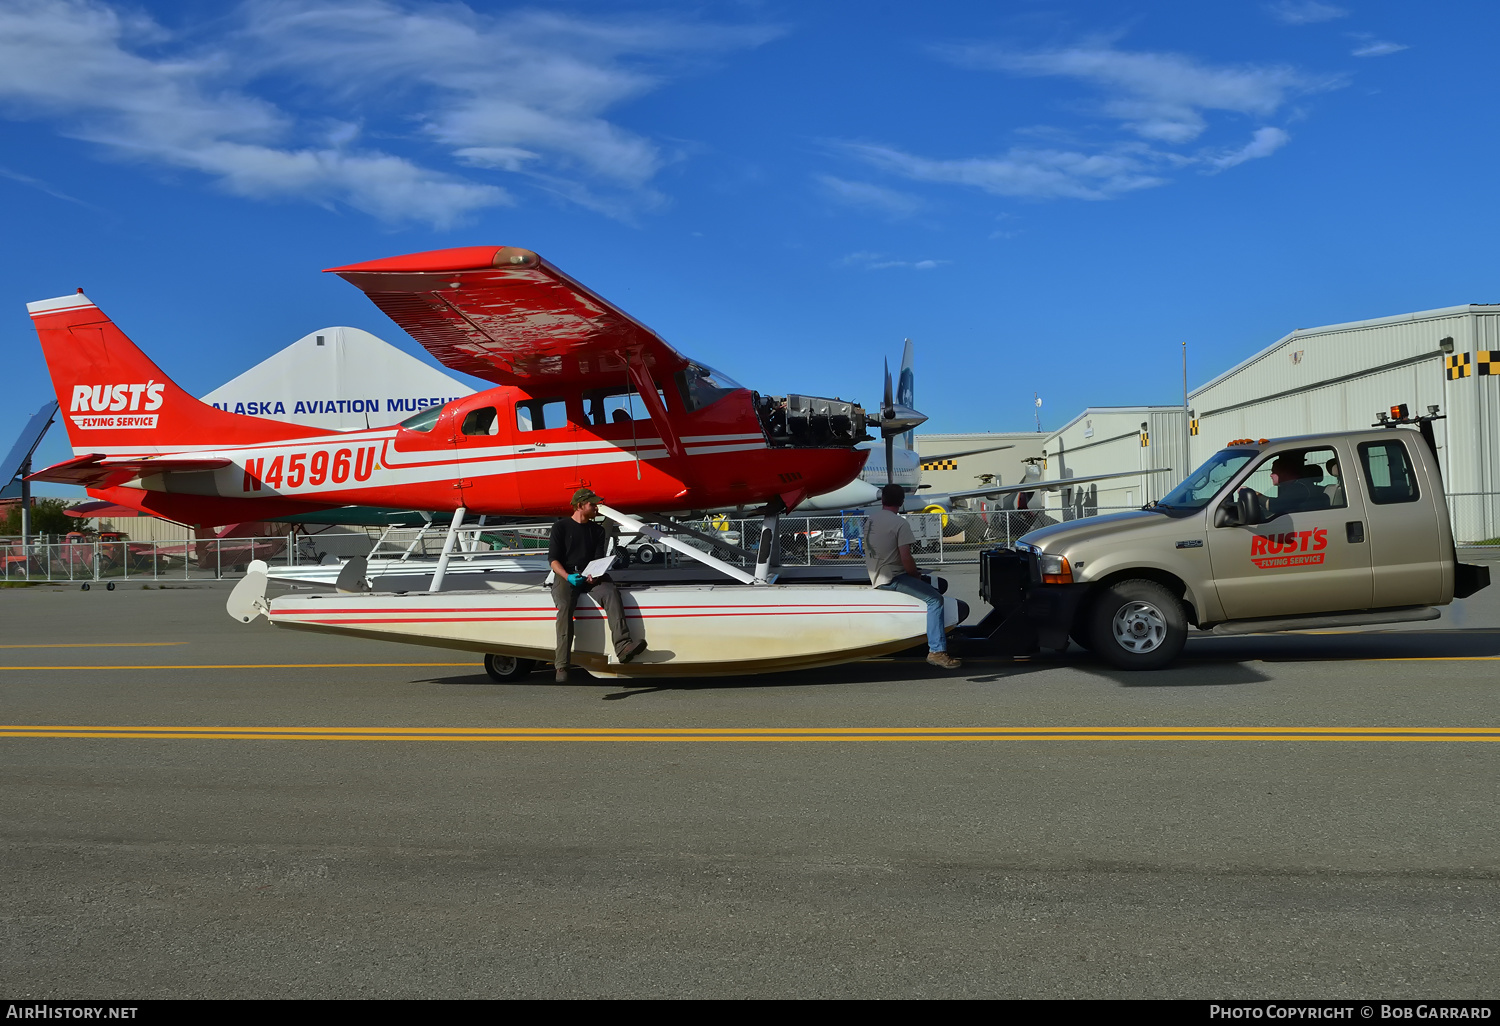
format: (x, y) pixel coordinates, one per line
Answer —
(442, 563)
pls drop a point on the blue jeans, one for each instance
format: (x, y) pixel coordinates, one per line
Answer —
(906, 584)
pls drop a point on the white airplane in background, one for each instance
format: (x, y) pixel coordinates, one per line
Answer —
(897, 461)
(894, 461)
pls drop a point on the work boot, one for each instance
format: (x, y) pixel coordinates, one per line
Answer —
(943, 661)
(632, 649)
(561, 676)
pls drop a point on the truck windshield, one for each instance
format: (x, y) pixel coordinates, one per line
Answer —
(1204, 483)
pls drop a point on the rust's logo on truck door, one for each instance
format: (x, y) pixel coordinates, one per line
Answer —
(1292, 548)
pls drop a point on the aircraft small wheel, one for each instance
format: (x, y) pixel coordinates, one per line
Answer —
(1137, 625)
(110, 586)
(647, 554)
(85, 585)
(504, 669)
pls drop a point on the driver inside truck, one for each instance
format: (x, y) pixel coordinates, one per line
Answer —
(1296, 492)
(1297, 489)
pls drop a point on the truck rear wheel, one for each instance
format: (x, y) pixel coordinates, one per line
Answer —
(1137, 625)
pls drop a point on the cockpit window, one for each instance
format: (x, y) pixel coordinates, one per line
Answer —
(482, 421)
(423, 420)
(702, 386)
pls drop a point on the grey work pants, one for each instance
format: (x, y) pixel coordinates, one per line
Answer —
(565, 597)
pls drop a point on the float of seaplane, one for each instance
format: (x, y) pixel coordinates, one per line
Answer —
(585, 396)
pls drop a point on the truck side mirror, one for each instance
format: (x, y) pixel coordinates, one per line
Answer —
(1228, 514)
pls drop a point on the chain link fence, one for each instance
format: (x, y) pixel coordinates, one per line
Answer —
(949, 538)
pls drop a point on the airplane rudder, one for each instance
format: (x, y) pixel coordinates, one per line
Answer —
(109, 392)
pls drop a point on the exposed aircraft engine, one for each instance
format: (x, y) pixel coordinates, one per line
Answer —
(808, 421)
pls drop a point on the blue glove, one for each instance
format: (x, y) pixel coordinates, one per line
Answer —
(575, 579)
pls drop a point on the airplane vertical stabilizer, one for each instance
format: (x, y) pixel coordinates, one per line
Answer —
(114, 399)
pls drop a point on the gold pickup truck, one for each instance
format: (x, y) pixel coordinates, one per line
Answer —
(1327, 530)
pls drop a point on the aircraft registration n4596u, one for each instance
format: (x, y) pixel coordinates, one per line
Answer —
(586, 396)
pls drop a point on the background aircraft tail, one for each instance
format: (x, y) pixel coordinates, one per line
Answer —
(906, 396)
(113, 399)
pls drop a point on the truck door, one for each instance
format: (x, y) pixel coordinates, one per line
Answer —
(1306, 549)
(1406, 549)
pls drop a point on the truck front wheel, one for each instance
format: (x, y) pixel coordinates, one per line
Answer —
(1137, 625)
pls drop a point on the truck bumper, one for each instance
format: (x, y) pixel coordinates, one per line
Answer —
(1051, 608)
(1025, 615)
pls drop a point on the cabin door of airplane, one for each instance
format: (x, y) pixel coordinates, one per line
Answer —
(545, 445)
(486, 446)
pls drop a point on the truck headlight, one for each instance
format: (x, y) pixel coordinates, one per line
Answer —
(1055, 569)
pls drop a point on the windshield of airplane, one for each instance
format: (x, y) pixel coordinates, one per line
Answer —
(423, 420)
(1204, 483)
(702, 386)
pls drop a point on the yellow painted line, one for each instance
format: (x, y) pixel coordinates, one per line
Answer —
(231, 666)
(698, 734)
(104, 644)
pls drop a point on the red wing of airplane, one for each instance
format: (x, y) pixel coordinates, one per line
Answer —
(508, 316)
(586, 396)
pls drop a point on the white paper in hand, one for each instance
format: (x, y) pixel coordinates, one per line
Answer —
(599, 567)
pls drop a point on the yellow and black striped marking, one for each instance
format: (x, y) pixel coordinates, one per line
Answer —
(940, 464)
(1487, 362)
(1458, 366)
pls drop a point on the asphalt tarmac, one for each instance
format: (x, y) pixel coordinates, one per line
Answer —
(242, 811)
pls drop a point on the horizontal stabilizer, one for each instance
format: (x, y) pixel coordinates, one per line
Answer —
(96, 470)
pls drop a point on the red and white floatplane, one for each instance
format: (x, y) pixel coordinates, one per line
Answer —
(693, 627)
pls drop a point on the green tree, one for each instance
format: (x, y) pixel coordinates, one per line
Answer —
(47, 517)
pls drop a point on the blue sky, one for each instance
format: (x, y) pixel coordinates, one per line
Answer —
(1047, 196)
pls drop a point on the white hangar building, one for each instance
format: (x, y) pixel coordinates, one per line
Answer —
(341, 379)
(1339, 377)
(941, 475)
(1107, 440)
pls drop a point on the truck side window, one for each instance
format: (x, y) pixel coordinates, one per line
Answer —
(541, 414)
(1388, 472)
(1297, 481)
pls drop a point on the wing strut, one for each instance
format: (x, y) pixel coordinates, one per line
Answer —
(641, 376)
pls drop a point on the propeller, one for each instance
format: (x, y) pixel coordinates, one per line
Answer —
(895, 419)
(887, 407)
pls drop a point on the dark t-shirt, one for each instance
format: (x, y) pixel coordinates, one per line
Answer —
(574, 545)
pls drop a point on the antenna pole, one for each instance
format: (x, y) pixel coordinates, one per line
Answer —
(1187, 424)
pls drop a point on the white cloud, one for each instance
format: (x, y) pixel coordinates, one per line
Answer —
(523, 92)
(879, 262)
(1305, 12)
(867, 196)
(1165, 101)
(42, 186)
(1376, 48)
(1039, 174)
(519, 93)
(1162, 97)
(1263, 143)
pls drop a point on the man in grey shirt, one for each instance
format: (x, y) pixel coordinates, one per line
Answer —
(888, 542)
